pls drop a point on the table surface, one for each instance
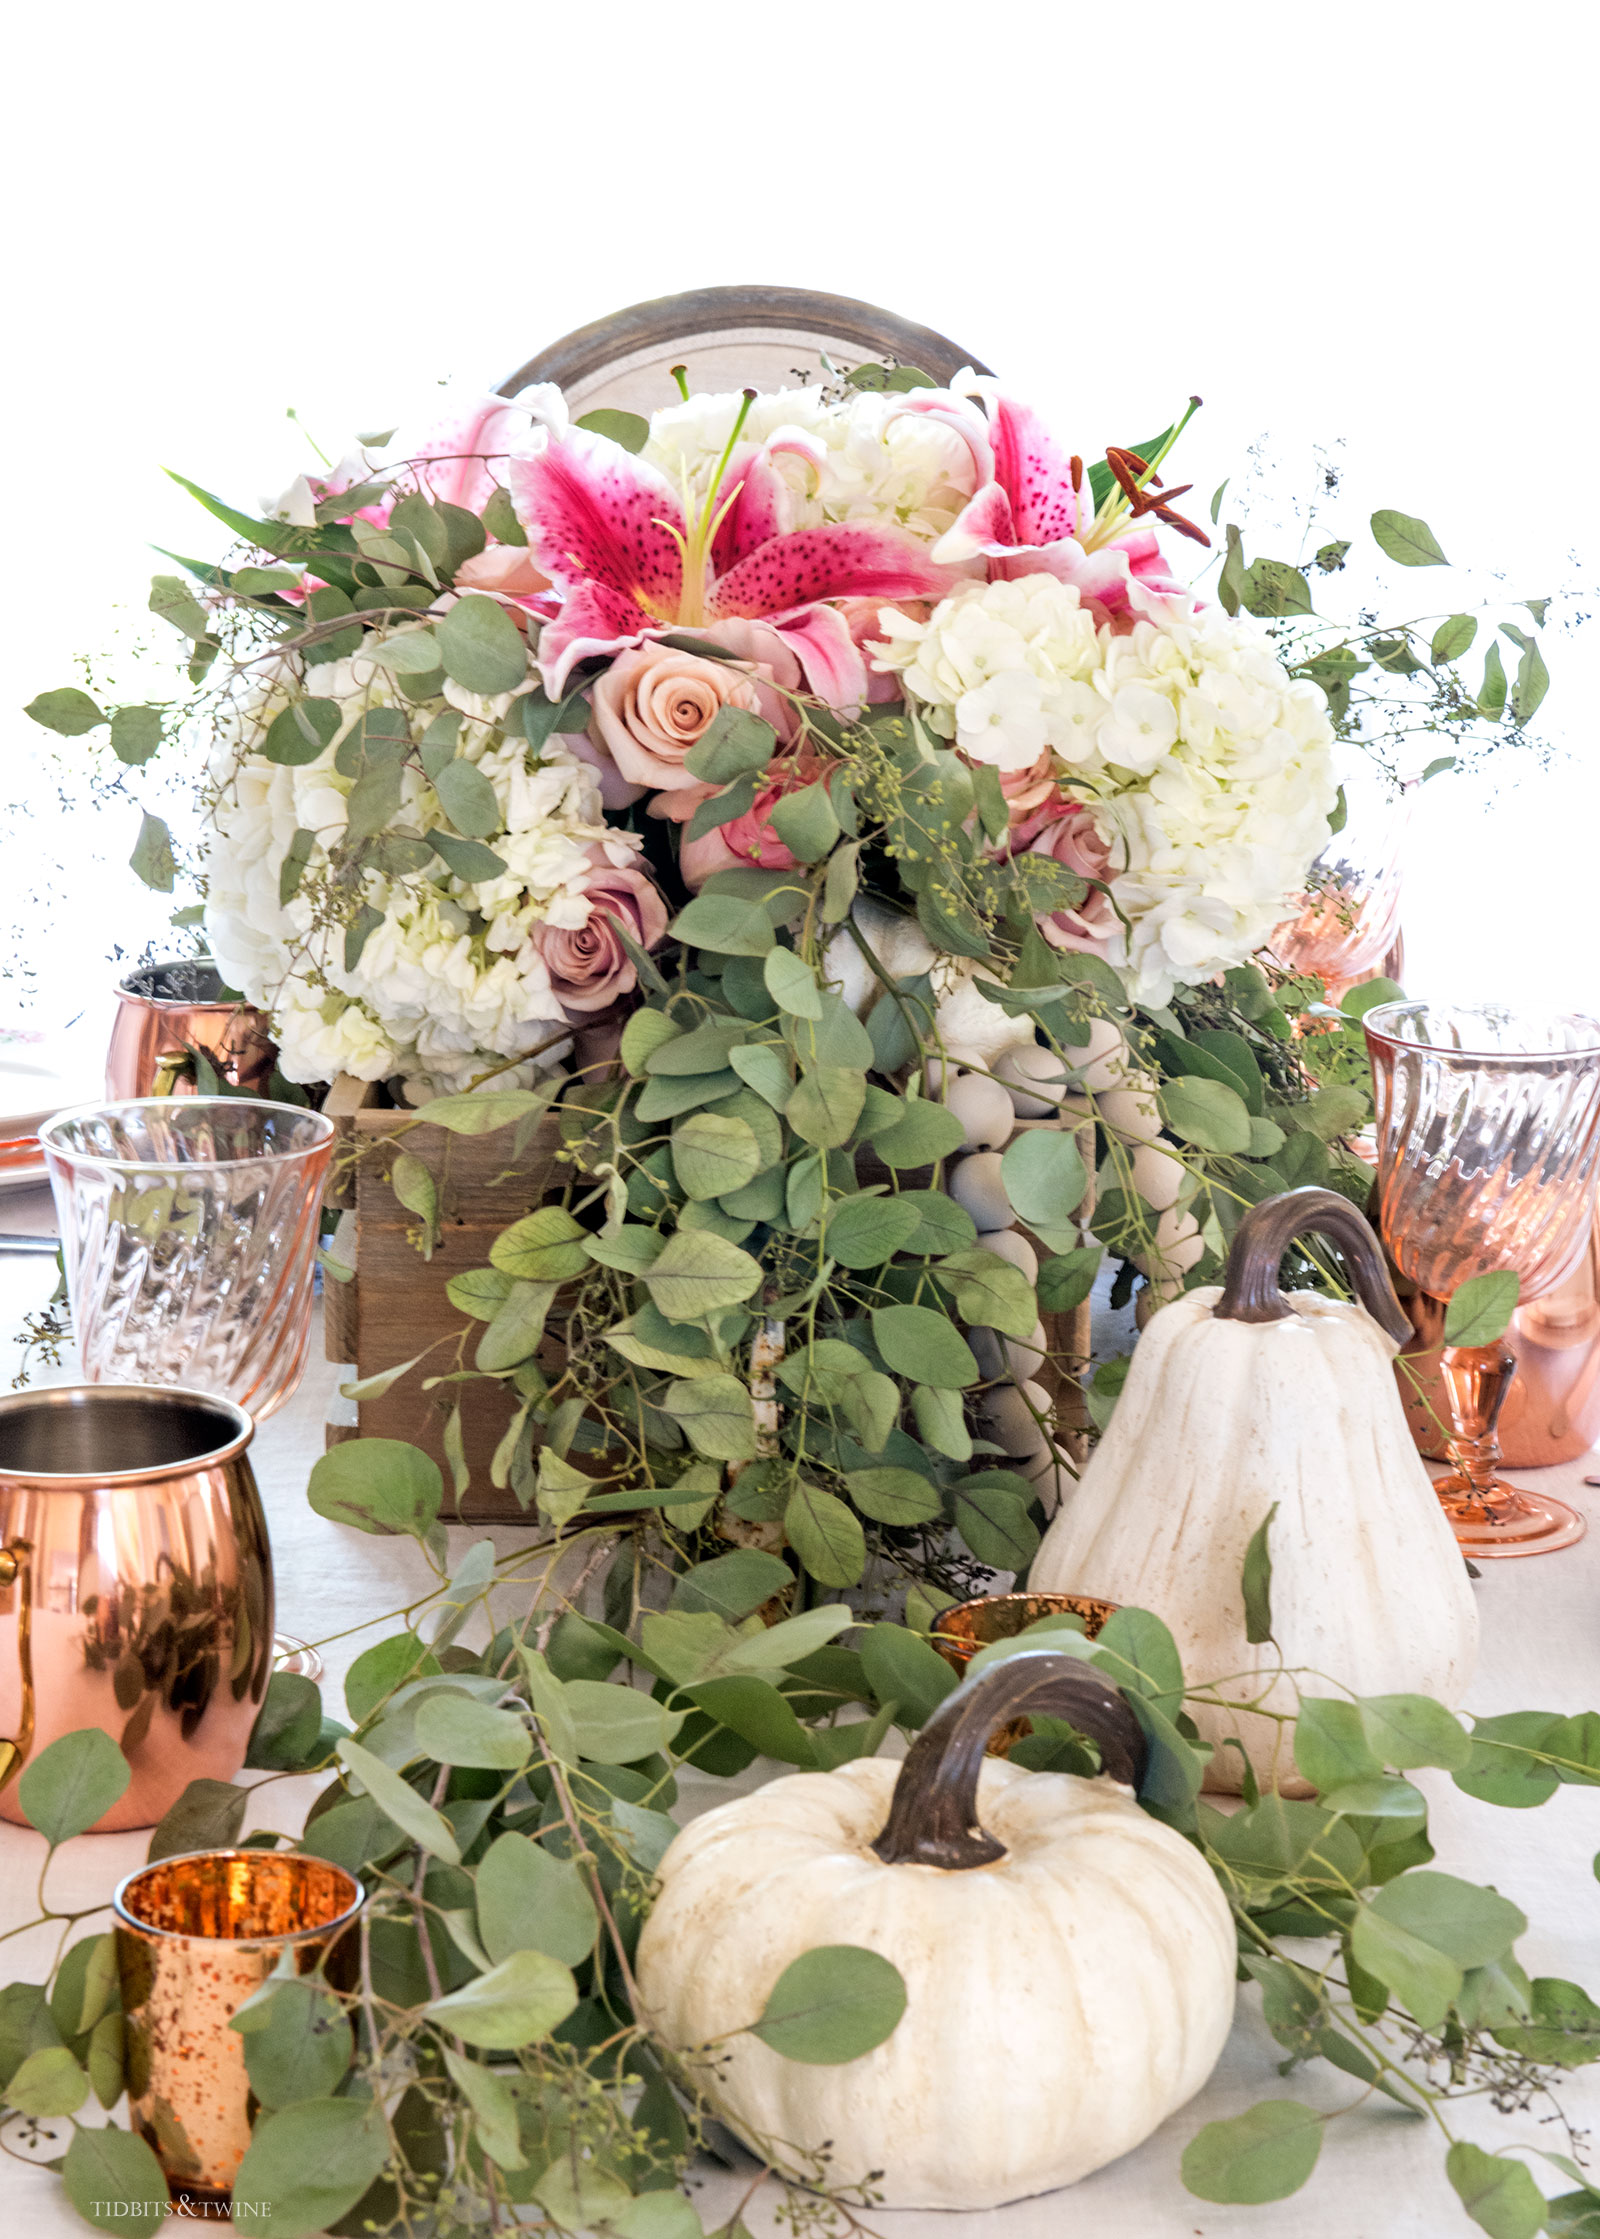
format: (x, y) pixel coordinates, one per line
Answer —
(1381, 2174)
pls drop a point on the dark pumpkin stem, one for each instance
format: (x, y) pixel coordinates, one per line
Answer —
(933, 1820)
(1251, 1293)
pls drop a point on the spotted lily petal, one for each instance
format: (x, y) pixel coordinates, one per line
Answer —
(595, 514)
(844, 560)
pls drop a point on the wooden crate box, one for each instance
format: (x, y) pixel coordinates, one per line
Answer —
(397, 1304)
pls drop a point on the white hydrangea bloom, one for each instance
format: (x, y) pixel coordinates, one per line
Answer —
(1210, 765)
(448, 981)
(864, 457)
(1001, 668)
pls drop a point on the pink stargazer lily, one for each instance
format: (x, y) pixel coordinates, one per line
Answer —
(613, 535)
(1033, 513)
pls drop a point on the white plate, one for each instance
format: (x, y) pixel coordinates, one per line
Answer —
(44, 1071)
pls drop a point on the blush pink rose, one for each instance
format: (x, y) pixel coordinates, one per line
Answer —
(654, 704)
(1027, 791)
(748, 842)
(1070, 837)
(589, 967)
(772, 667)
(508, 571)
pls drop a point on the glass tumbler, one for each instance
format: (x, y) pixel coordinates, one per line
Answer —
(1488, 1144)
(189, 1230)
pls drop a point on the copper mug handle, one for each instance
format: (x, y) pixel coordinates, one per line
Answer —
(16, 1570)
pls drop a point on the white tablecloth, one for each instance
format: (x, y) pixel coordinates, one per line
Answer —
(1381, 2174)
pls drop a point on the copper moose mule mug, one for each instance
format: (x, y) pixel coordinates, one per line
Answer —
(170, 1013)
(135, 1585)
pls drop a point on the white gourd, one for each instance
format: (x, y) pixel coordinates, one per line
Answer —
(1242, 1396)
(965, 1016)
(1131, 1113)
(978, 1186)
(984, 1109)
(1068, 1961)
(1103, 1057)
(1157, 1175)
(1010, 1244)
(1029, 1065)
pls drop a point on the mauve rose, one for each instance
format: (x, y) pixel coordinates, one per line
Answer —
(654, 704)
(589, 967)
(1070, 837)
(615, 791)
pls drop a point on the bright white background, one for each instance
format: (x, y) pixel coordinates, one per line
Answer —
(1356, 223)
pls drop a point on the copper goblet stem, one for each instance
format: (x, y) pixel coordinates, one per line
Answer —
(1488, 1516)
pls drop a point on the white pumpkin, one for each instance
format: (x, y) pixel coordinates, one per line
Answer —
(1240, 1397)
(1069, 1972)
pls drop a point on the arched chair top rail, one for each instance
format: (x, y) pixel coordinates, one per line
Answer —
(599, 363)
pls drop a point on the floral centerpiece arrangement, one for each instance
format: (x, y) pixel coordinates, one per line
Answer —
(831, 819)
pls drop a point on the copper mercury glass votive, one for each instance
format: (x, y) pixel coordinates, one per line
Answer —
(961, 1630)
(196, 1936)
(1488, 1126)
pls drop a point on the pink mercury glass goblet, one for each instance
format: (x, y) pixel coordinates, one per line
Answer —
(1488, 1144)
(1348, 919)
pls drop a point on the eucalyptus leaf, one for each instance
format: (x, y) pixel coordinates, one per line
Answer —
(831, 2005)
(152, 858)
(826, 1535)
(547, 1246)
(717, 1414)
(1255, 1582)
(298, 2041)
(1264, 2154)
(467, 798)
(455, 1730)
(135, 734)
(893, 1496)
(990, 1291)
(1481, 1307)
(824, 1108)
(71, 1783)
(713, 1155)
(307, 2165)
(920, 1344)
(1205, 1113)
(1407, 540)
(699, 1274)
(1498, 2194)
(400, 1802)
(481, 647)
(863, 1231)
(114, 2180)
(529, 1901)
(518, 2002)
(617, 1725)
(725, 923)
(67, 711)
(377, 1484)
